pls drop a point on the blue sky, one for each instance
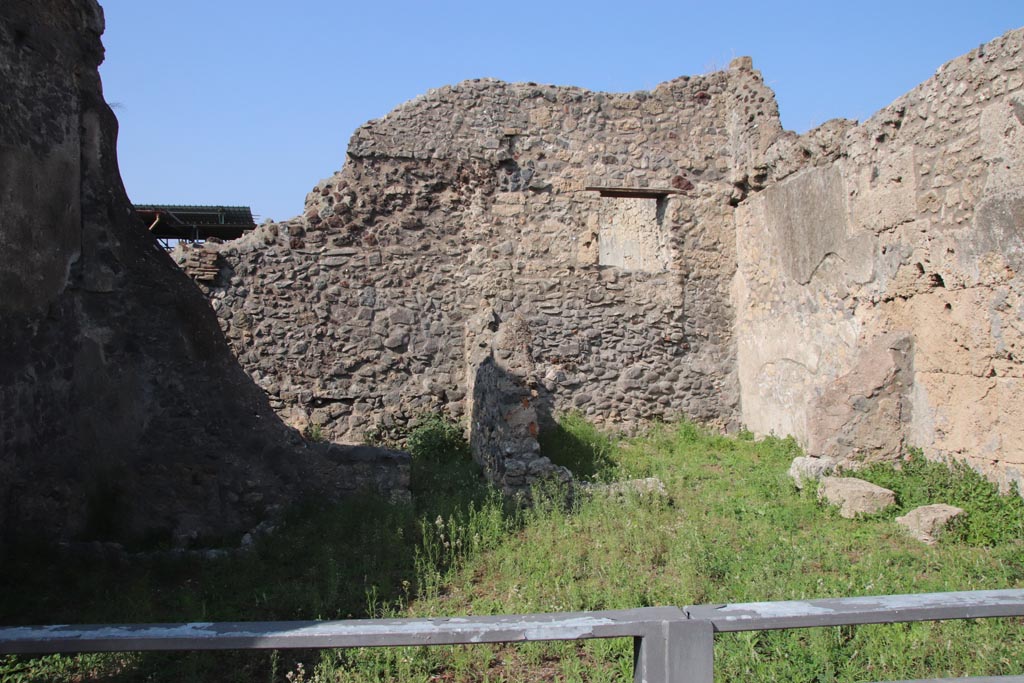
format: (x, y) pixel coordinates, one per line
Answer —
(252, 102)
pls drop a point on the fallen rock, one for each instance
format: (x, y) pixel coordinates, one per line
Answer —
(805, 468)
(927, 522)
(855, 496)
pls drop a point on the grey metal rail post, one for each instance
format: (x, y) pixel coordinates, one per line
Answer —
(675, 652)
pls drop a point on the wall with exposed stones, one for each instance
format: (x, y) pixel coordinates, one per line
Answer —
(123, 414)
(474, 197)
(855, 286)
(502, 398)
(879, 288)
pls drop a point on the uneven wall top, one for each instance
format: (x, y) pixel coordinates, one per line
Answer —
(488, 196)
(473, 118)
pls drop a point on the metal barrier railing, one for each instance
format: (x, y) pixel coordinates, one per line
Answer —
(670, 644)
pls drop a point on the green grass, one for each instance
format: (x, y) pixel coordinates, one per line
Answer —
(990, 519)
(734, 529)
(577, 444)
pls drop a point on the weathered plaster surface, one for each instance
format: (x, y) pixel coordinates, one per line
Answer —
(908, 228)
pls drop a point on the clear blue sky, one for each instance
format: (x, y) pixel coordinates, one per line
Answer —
(252, 102)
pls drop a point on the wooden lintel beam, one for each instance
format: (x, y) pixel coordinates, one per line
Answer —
(635, 192)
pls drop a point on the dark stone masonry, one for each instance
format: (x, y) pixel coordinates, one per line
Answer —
(474, 197)
(123, 414)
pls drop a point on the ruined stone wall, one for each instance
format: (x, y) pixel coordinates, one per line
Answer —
(855, 286)
(473, 197)
(878, 293)
(123, 415)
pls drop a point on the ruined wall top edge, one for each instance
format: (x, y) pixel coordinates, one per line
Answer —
(486, 106)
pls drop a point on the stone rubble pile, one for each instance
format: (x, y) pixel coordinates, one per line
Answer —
(856, 497)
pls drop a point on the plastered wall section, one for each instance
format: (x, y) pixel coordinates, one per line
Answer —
(474, 197)
(915, 232)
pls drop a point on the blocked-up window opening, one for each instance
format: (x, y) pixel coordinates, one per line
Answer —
(631, 234)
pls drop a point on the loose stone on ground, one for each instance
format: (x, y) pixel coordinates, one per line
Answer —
(928, 521)
(855, 496)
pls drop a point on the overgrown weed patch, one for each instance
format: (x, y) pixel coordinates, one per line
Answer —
(735, 530)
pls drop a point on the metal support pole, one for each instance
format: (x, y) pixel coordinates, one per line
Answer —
(675, 652)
